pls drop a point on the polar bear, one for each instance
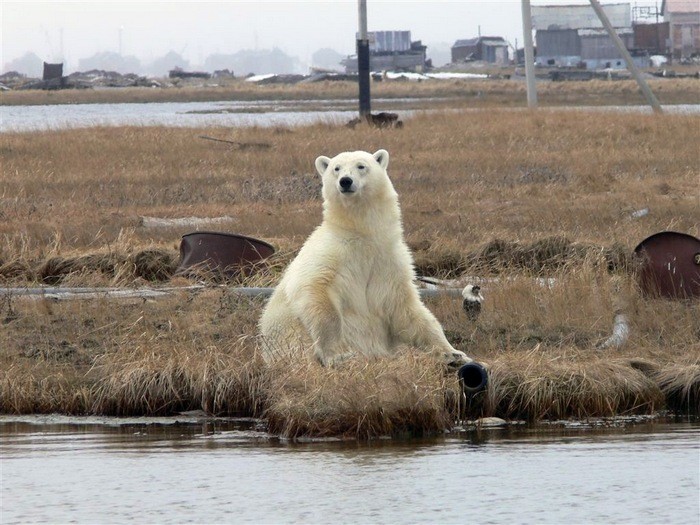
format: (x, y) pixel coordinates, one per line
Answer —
(351, 289)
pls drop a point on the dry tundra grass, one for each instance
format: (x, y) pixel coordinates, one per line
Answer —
(470, 92)
(486, 193)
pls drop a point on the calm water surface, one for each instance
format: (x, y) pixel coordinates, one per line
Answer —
(179, 114)
(117, 471)
(223, 114)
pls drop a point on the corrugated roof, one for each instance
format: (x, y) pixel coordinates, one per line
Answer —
(492, 40)
(578, 16)
(488, 40)
(466, 42)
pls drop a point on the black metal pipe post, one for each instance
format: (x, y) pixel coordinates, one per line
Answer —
(363, 58)
(363, 73)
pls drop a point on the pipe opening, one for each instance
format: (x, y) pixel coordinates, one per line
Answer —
(474, 377)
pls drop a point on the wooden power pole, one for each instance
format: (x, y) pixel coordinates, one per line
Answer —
(529, 55)
(643, 86)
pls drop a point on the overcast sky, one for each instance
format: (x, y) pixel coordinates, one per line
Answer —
(70, 31)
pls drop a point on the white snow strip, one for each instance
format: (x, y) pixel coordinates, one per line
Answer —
(258, 78)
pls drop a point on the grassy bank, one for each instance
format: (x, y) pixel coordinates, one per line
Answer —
(472, 93)
(495, 193)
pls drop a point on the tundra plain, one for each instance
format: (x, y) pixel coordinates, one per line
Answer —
(490, 193)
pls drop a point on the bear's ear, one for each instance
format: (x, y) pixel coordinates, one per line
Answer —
(382, 157)
(322, 164)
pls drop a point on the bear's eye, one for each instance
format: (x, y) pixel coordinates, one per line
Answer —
(337, 169)
(360, 166)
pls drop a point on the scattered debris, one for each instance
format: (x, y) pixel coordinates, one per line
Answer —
(240, 145)
(273, 78)
(160, 222)
(378, 120)
(640, 213)
(219, 253)
(178, 72)
(621, 332)
(491, 422)
(223, 73)
(669, 73)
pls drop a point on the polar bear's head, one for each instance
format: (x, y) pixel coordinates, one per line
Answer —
(355, 175)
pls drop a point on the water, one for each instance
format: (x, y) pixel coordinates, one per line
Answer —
(180, 114)
(223, 114)
(86, 471)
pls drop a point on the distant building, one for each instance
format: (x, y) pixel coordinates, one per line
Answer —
(491, 49)
(599, 52)
(683, 17)
(388, 41)
(52, 71)
(573, 36)
(391, 51)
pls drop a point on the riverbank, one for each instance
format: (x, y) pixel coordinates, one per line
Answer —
(513, 195)
(195, 351)
(474, 93)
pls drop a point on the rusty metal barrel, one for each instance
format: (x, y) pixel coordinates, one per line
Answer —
(669, 265)
(225, 254)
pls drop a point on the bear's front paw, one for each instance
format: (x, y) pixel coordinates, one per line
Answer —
(456, 359)
(332, 358)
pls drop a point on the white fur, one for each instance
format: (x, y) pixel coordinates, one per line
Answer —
(350, 289)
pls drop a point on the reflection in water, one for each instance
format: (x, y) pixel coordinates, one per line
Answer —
(234, 472)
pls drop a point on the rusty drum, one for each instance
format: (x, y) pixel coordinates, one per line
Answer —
(227, 254)
(670, 265)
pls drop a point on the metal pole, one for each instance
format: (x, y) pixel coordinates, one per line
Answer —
(643, 86)
(126, 293)
(363, 60)
(529, 55)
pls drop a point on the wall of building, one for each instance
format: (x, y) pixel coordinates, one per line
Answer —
(389, 41)
(494, 54)
(600, 46)
(651, 37)
(558, 42)
(684, 34)
(389, 62)
(460, 53)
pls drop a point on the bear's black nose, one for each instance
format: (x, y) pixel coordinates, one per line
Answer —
(345, 182)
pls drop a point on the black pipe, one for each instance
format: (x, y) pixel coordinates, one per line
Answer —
(473, 377)
(363, 74)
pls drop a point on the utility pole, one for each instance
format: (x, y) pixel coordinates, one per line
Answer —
(529, 55)
(363, 60)
(643, 86)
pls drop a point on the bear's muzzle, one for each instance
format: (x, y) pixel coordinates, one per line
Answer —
(346, 185)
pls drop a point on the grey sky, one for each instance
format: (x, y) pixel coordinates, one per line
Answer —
(150, 29)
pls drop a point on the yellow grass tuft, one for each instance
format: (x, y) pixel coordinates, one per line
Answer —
(161, 381)
(41, 389)
(680, 383)
(535, 387)
(402, 396)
